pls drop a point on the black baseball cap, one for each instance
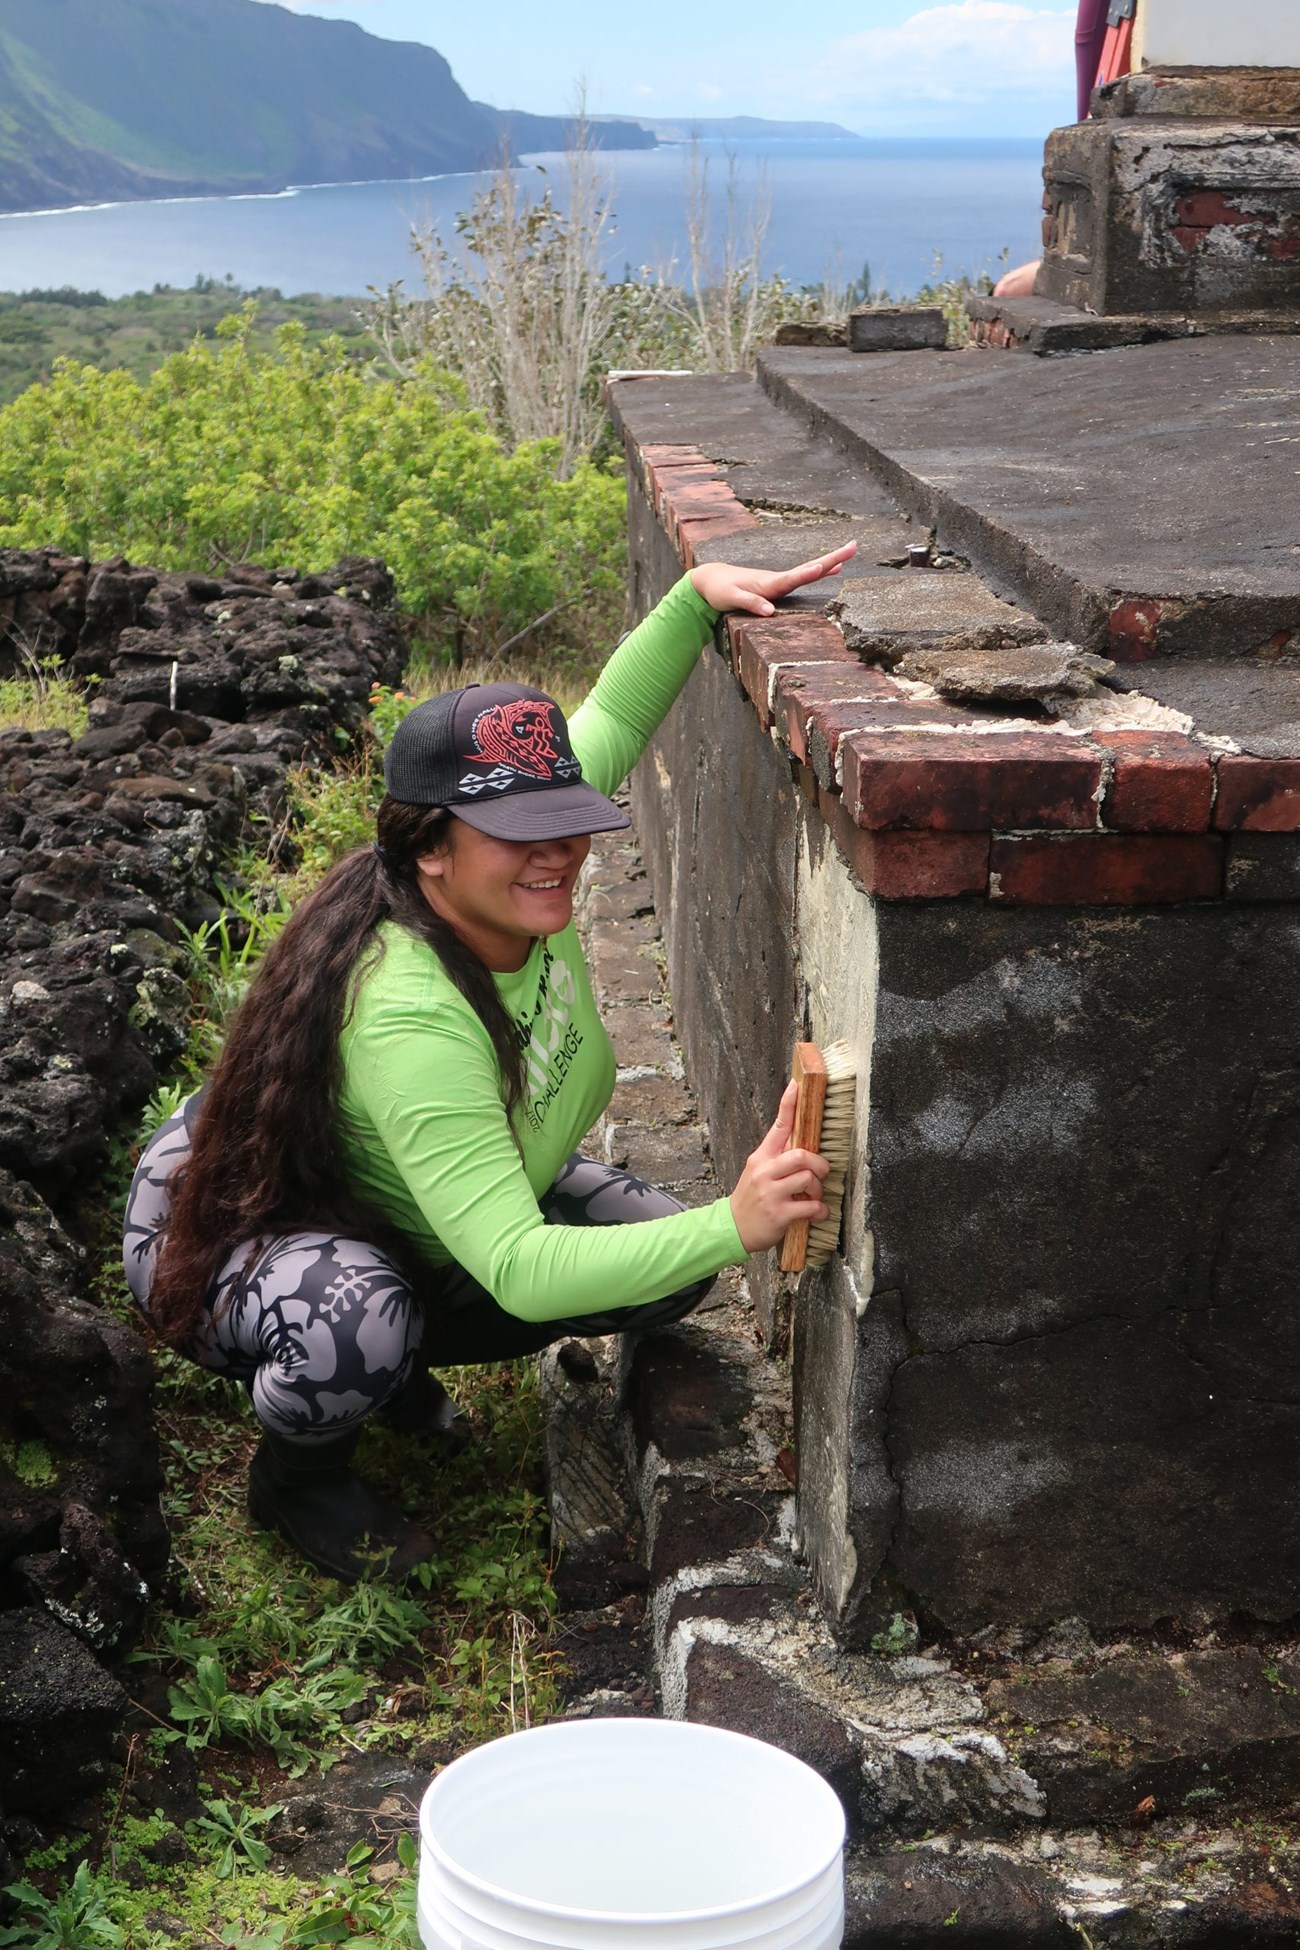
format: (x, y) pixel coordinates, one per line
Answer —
(499, 757)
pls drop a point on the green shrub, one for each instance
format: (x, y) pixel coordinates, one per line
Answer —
(298, 455)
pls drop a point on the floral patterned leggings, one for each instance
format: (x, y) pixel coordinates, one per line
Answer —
(323, 1329)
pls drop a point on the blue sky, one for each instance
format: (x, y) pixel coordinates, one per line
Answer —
(888, 67)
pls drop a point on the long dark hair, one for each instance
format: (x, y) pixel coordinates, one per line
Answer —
(266, 1154)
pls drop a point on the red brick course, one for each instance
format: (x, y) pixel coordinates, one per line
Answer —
(1012, 816)
(1259, 795)
(914, 866)
(763, 646)
(1160, 783)
(691, 499)
(969, 782)
(1105, 869)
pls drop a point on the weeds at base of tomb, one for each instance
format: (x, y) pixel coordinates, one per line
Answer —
(253, 1667)
(44, 700)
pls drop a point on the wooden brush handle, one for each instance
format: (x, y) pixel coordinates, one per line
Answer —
(809, 1072)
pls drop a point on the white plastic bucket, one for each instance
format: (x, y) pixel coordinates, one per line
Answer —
(630, 1835)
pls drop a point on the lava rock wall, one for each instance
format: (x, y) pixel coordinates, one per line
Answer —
(205, 690)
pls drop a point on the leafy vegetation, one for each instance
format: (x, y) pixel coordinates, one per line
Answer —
(227, 453)
(136, 334)
(523, 313)
(41, 698)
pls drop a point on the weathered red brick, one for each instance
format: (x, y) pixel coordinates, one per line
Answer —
(968, 782)
(1161, 782)
(831, 720)
(659, 453)
(801, 690)
(1105, 869)
(688, 536)
(900, 866)
(1260, 795)
(761, 647)
(1134, 627)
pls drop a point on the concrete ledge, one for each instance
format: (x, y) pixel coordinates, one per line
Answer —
(931, 797)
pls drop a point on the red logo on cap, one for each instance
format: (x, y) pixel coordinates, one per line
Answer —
(520, 735)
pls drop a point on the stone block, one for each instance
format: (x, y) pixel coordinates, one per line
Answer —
(883, 617)
(1209, 1731)
(1106, 869)
(895, 328)
(913, 1899)
(969, 783)
(685, 1398)
(59, 1715)
(654, 1100)
(623, 965)
(1166, 216)
(726, 1687)
(1046, 674)
(671, 1156)
(1158, 783)
(693, 1521)
(641, 1035)
(1260, 795)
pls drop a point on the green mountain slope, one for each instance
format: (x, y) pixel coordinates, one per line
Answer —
(168, 97)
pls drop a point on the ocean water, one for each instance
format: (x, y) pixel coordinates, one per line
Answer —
(831, 207)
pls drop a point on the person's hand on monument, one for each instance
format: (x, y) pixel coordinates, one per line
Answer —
(724, 586)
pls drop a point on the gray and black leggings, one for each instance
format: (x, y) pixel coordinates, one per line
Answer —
(323, 1329)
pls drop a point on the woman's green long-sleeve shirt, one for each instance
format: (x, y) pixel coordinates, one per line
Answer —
(425, 1128)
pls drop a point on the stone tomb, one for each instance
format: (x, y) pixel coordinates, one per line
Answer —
(1053, 1374)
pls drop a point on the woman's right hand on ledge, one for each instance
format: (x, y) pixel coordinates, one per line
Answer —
(777, 1186)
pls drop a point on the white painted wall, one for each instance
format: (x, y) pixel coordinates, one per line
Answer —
(1217, 34)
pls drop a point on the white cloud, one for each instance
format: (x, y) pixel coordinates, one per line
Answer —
(968, 50)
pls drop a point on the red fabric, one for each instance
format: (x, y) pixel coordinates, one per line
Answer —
(1089, 40)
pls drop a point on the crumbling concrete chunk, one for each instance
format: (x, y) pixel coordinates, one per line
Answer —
(1037, 673)
(885, 618)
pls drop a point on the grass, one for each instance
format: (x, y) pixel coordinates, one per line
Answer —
(255, 1669)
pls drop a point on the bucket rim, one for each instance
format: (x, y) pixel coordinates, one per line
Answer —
(631, 1919)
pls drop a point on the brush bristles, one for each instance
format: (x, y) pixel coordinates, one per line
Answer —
(836, 1146)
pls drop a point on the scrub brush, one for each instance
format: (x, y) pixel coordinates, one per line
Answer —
(823, 1121)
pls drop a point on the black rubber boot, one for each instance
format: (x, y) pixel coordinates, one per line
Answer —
(310, 1493)
(425, 1410)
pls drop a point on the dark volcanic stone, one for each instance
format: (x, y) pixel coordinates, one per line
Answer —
(684, 1398)
(727, 1688)
(1216, 1730)
(59, 1714)
(916, 1900)
(78, 1385)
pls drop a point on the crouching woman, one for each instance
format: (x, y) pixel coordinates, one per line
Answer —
(382, 1175)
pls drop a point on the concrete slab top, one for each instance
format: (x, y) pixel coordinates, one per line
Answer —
(1256, 706)
(768, 457)
(1168, 470)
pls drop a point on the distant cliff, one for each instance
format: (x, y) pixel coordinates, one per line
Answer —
(190, 97)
